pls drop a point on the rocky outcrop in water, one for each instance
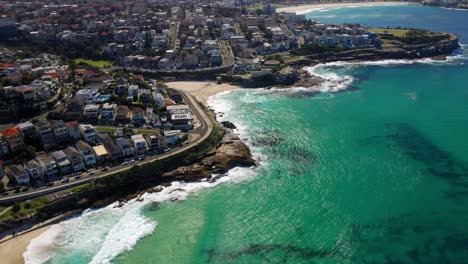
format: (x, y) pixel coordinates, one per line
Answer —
(228, 124)
(231, 152)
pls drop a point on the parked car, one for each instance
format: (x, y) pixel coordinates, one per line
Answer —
(65, 179)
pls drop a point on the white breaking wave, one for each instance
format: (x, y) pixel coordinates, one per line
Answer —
(332, 81)
(335, 83)
(103, 234)
(331, 7)
(100, 235)
(456, 9)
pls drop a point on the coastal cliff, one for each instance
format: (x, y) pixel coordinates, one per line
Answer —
(435, 50)
(222, 151)
(230, 153)
(427, 44)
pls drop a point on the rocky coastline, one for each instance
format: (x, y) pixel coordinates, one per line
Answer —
(228, 152)
(294, 75)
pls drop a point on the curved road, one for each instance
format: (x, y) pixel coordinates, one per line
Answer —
(203, 130)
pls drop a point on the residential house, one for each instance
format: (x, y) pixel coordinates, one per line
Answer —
(145, 96)
(75, 158)
(115, 152)
(73, 130)
(158, 99)
(181, 121)
(48, 164)
(122, 114)
(140, 144)
(122, 86)
(138, 116)
(27, 129)
(4, 148)
(17, 174)
(177, 109)
(35, 170)
(155, 142)
(63, 164)
(171, 137)
(132, 92)
(60, 131)
(89, 134)
(91, 112)
(28, 92)
(46, 134)
(14, 139)
(126, 146)
(216, 59)
(74, 108)
(108, 112)
(102, 155)
(86, 152)
(88, 95)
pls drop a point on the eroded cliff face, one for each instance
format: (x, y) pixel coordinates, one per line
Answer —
(231, 152)
(447, 3)
(429, 50)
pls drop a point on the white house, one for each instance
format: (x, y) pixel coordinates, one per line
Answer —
(89, 134)
(171, 137)
(86, 152)
(139, 143)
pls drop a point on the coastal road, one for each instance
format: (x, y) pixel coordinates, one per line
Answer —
(203, 131)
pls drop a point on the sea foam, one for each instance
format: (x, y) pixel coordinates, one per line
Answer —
(100, 235)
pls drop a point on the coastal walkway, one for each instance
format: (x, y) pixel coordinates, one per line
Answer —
(202, 131)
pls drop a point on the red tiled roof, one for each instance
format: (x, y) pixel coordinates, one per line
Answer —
(53, 75)
(6, 65)
(11, 132)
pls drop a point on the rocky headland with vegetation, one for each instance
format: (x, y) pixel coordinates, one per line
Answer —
(397, 44)
(220, 152)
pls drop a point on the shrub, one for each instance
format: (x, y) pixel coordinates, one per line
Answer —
(15, 208)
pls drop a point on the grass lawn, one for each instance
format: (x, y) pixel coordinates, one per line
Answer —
(97, 64)
(402, 32)
(396, 32)
(108, 130)
(145, 131)
(292, 58)
(26, 208)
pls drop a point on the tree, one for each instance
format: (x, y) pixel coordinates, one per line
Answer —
(248, 36)
(16, 207)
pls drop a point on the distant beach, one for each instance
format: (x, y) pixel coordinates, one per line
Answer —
(306, 8)
(202, 90)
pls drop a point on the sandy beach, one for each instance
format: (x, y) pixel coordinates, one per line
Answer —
(306, 8)
(12, 249)
(202, 90)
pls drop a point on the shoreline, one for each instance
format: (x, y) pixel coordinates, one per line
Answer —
(302, 9)
(202, 90)
(13, 248)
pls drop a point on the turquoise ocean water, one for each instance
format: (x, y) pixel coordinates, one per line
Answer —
(377, 173)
